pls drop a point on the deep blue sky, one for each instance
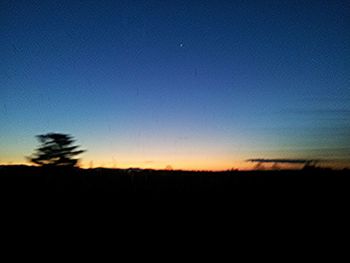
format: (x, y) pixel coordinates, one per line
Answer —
(193, 84)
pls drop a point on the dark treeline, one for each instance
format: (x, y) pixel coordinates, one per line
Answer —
(130, 182)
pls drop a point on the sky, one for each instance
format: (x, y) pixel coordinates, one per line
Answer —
(200, 85)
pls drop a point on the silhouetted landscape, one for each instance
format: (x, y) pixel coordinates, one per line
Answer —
(56, 171)
(157, 183)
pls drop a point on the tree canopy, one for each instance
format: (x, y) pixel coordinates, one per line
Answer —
(56, 149)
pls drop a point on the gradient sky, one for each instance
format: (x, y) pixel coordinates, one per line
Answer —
(191, 84)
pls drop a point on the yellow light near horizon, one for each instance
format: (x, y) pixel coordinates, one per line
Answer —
(161, 162)
(190, 162)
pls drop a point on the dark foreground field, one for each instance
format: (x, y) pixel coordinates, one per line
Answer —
(188, 208)
(143, 198)
(132, 182)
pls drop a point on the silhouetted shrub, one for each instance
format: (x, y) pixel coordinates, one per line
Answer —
(56, 149)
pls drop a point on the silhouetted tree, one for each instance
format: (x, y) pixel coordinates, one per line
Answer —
(56, 149)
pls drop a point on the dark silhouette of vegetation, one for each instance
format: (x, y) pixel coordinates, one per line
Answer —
(56, 149)
(308, 163)
(238, 185)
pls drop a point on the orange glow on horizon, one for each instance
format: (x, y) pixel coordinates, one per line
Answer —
(196, 165)
(186, 166)
(176, 160)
